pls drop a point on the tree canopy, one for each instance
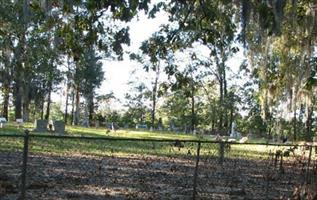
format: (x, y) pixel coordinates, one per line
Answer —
(50, 46)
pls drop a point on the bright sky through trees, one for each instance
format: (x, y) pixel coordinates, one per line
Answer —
(118, 73)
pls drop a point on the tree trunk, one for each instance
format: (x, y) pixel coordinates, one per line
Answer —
(154, 97)
(18, 90)
(231, 119)
(90, 102)
(213, 115)
(6, 97)
(77, 111)
(193, 121)
(220, 126)
(222, 92)
(19, 53)
(309, 123)
(73, 108)
(18, 100)
(48, 107)
(294, 125)
(225, 97)
(66, 104)
(26, 102)
(193, 113)
(26, 110)
(42, 109)
(153, 110)
(6, 84)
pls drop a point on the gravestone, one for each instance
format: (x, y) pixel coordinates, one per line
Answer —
(85, 123)
(2, 122)
(141, 126)
(233, 133)
(40, 125)
(19, 122)
(243, 140)
(113, 127)
(59, 127)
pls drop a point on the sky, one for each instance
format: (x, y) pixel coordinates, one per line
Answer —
(118, 73)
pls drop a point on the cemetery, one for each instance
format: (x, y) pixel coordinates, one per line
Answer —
(97, 169)
(161, 99)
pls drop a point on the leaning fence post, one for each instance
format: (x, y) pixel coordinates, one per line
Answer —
(308, 164)
(221, 152)
(196, 171)
(24, 165)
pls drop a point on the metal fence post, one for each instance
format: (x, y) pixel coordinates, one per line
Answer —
(24, 165)
(196, 171)
(221, 152)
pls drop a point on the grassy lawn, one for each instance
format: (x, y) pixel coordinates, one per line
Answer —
(97, 147)
(122, 148)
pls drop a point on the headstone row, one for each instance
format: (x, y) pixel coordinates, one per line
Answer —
(42, 125)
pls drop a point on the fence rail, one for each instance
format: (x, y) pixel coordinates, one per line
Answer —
(225, 163)
(152, 140)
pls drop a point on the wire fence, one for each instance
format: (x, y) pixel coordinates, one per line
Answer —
(69, 167)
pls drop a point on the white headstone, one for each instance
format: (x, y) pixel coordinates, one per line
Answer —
(243, 140)
(233, 132)
(2, 122)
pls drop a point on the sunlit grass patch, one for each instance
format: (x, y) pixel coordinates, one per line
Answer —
(126, 147)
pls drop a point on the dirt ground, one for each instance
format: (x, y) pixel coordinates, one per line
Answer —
(54, 177)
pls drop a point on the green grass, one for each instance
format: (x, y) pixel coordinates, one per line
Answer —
(122, 148)
(95, 147)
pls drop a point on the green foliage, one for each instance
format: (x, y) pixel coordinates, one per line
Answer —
(279, 39)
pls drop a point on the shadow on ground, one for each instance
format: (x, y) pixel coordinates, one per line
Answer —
(78, 176)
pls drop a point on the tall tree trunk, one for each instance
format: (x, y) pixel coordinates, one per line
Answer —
(18, 100)
(19, 57)
(77, 111)
(231, 119)
(26, 102)
(18, 77)
(42, 109)
(222, 88)
(214, 112)
(48, 107)
(225, 97)
(309, 122)
(294, 125)
(66, 104)
(154, 96)
(6, 97)
(153, 109)
(89, 110)
(6, 84)
(26, 110)
(73, 108)
(193, 121)
(220, 125)
(86, 121)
